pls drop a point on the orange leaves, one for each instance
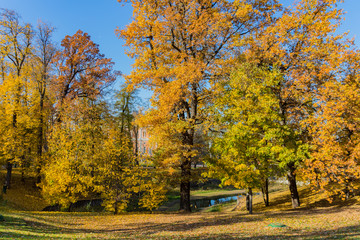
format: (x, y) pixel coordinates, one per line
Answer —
(181, 49)
(179, 46)
(83, 70)
(334, 128)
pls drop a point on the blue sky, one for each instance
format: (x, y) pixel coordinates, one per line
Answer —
(100, 18)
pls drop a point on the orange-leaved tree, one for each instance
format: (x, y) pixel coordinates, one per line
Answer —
(334, 166)
(83, 71)
(180, 48)
(83, 75)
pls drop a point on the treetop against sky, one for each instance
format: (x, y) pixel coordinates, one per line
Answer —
(101, 18)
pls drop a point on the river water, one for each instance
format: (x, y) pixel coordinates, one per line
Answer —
(207, 202)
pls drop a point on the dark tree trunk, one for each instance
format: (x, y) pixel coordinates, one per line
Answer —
(295, 200)
(116, 208)
(347, 191)
(188, 144)
(249, 205)
(23, 174)
(9, 167)
(185, 186)
(265, 192)
(40, 140)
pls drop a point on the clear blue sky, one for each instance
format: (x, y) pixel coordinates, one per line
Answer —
(100, 18)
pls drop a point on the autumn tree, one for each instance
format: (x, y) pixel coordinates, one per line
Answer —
(254, 142)
(75, 147)
(300, 43)
(83, 70)
(42, 75)
(124, 183)
(124, 107)
(334, 166)
(83, 75)
(180, 48)
(127, 107)
(16, 39)
(91, 157)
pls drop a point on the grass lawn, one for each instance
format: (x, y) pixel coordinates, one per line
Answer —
(319, 223)
(316, 219)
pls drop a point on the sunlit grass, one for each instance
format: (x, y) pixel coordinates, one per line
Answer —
(317, 223)
(315, 219)
(311, 221)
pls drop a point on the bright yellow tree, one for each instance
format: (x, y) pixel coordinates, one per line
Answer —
(15, 50)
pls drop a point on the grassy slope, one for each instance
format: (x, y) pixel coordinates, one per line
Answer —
(23, 195)
(316, 219)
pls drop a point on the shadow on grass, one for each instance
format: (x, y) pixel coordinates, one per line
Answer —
(18, 228)
(340, 233)
(177, 226)
(36, 228)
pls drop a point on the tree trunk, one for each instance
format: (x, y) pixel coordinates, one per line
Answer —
(9, 166)
(116, 208)
(185, 186)
(293, 187)
(237, 203)
(136, 139)
(265, 192)
(347, 191)
(23, 174)
(188, 143)
(40, 140)
(249, 196)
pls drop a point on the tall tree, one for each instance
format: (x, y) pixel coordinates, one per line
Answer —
(83, 75)
(16, 39)
(300, 43)
(180, 48)
(44, 56)
(334, 166)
